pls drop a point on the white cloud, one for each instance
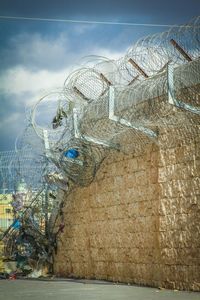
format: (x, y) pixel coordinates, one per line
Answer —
(113, 55)
(20, 80)
(37, 51)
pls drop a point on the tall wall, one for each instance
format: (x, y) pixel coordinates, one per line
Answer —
(179, 210)
(138, 222)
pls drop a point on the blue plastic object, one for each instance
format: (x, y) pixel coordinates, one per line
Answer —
(16, 224)
(71, 153)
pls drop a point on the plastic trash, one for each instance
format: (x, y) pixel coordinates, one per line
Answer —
(12, 276)
(71, 153)
(16, 224)
(35, 274)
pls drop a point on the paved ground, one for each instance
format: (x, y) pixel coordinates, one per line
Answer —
(89, 290)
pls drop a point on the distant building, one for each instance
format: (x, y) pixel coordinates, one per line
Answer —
(6, 211)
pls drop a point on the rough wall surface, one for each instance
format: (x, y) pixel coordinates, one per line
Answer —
(179, 212)
(138, 222)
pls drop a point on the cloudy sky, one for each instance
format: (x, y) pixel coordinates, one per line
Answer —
(37, 56)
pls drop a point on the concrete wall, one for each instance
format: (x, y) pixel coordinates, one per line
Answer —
(139, 221)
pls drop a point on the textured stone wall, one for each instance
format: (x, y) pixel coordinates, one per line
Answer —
(179, 211)
(138, 222)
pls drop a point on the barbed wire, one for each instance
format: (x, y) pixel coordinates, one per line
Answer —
(141, 86)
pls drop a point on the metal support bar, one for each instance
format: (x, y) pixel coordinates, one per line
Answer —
(133, 80)
(87, 138)
(46, 206)
(180, 50)
(150, 133)
(96, 141)
(46, 143)
(171, 93)
(80, 93)
(75, 119)
(135, 65)
(105, 79)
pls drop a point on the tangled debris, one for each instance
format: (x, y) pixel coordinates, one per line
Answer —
(29, 244)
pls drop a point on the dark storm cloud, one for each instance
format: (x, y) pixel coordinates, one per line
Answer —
(158, 10)
(61, 47)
